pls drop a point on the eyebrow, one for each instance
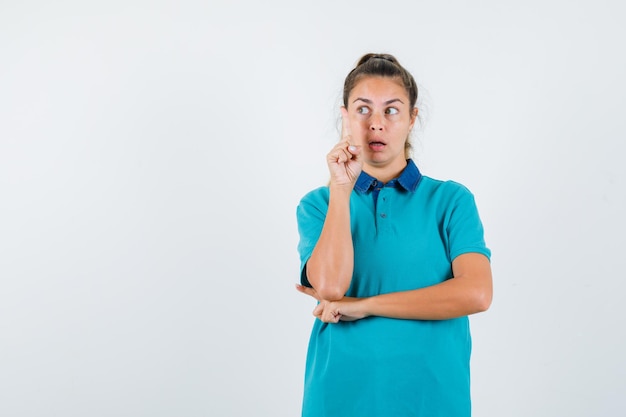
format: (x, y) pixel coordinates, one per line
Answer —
(368, 101)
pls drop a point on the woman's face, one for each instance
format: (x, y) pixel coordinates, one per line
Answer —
(380, 120)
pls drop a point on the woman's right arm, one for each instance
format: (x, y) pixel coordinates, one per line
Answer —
(329, 269)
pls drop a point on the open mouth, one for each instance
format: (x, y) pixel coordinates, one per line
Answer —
(376, 145)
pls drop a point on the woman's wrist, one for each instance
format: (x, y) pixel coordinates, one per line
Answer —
(365, 306)
(341, 188)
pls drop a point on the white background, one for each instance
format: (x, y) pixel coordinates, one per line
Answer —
(152, 155)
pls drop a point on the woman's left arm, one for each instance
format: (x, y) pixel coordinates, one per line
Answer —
(468, 292)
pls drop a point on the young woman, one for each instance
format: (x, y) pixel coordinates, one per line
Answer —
(397, 261)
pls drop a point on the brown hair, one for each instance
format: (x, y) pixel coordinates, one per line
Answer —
(381, 65)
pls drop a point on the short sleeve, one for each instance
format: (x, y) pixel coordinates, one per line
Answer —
(310, 214)
(463, 226)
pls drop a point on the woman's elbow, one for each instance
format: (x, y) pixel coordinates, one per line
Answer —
(330, 292)
(328, 289)
(482, 299)
(330, 286)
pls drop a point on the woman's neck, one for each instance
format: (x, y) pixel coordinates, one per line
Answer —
(385, 173)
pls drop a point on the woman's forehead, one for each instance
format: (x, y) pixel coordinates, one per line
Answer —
(376, 88)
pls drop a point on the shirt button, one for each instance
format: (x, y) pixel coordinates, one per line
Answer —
(375, 183)
(383, 215)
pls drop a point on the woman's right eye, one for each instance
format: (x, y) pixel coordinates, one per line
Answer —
(362, 110)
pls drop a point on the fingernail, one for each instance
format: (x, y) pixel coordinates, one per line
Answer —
(352, 148)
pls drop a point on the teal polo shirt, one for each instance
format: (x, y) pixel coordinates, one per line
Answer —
(405, 233)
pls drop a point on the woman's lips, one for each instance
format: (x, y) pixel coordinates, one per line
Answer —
(376, 146)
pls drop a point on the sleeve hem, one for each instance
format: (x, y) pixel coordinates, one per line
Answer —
(304, 280)
(471, 249)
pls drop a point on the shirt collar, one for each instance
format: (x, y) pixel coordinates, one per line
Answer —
(408, 179)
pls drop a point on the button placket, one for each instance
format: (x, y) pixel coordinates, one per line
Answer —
(382, 204)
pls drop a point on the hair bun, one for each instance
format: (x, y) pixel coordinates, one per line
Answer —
(386, 57)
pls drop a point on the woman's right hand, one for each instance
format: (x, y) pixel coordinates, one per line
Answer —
(344, 162)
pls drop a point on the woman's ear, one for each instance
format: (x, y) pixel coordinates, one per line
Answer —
(413, 116)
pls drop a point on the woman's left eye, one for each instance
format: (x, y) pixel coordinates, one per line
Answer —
(391, 110)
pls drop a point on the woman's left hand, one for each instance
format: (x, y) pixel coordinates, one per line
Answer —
(346, 309)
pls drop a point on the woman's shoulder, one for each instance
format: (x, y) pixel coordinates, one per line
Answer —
(316, 196)
(314, 203)
(447, 187)
(316, 193)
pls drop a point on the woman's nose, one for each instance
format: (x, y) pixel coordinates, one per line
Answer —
(376, 123)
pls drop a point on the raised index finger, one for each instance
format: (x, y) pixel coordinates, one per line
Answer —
(346, 132)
